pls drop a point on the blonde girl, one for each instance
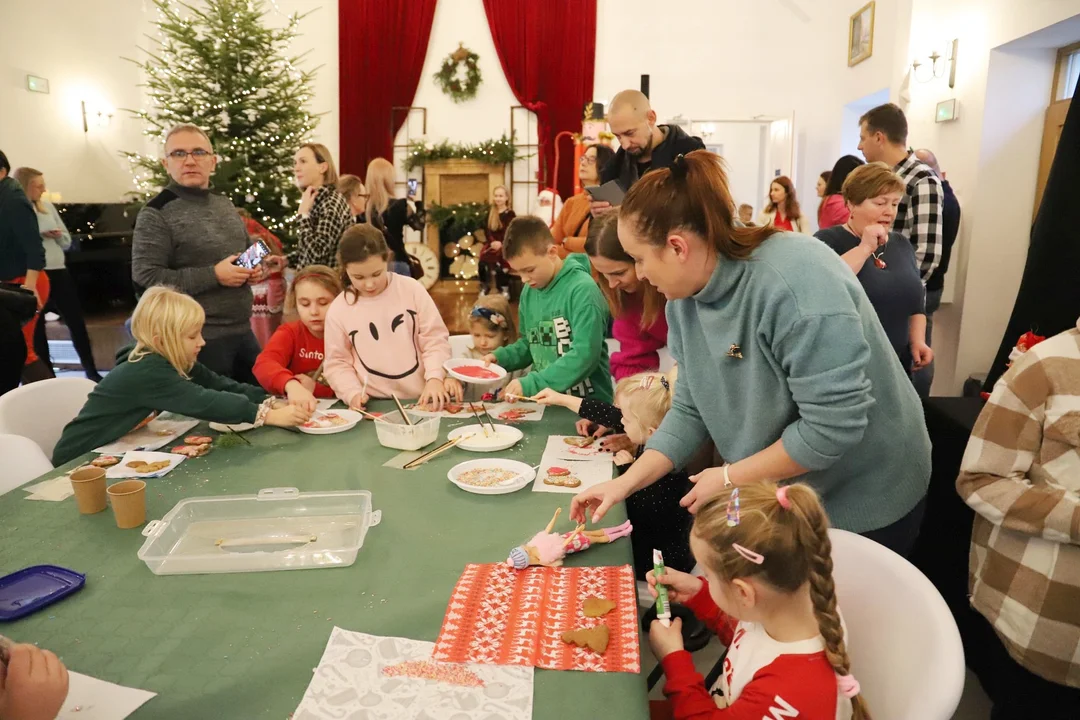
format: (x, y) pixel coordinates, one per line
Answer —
(161, 373)
(352, 189)
(768, 592)
(493, 265)
(390, 214)
(491, 325)
(384, 335)
(291, 363)
(641, 402)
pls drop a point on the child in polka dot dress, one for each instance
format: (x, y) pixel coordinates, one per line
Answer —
(641, 401)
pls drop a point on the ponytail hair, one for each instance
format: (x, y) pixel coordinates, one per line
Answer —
(647, 396)
(787, 530)
(691, 195)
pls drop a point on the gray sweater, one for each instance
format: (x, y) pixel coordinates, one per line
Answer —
(180, 236)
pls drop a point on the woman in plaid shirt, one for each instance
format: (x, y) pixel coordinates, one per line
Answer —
(1021, 475)
(324, 212)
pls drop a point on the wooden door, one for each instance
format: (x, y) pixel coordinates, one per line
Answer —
(1055, 119)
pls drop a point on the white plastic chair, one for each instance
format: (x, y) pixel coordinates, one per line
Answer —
(40, 410)
(613, 346)
(460, 345)
(902, 634)
(23, 461)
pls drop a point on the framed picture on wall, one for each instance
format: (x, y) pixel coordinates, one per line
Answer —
(716, 149)
(861, 34)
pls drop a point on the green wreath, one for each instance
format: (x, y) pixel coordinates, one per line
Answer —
(447, 75)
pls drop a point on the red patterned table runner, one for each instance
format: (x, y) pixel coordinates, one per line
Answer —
(501, 616)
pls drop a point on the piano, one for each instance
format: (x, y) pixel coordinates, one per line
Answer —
(99, 259)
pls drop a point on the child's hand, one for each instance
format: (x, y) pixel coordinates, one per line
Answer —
(547, 396)
(34, 685)
(513, 391)
(490, 359)
(434, 395)
(307, 381)
(454, 389)
(358, 401)
(299, 395)
(288, 416)
(680, 586)
(623, 457)
(665, 640)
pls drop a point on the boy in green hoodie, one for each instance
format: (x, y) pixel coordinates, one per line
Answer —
(562, 318)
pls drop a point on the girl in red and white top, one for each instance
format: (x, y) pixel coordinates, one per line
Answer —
(783, 212)
(292, 360)
(768, 593)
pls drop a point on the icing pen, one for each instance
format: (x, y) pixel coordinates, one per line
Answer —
(663, 607)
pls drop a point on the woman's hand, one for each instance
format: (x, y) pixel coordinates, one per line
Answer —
(299, 395)
(680, 586)
(33, 686)
(454, 389)
(54, 234)
(873, 237)
(921, 354)
(594, 502)
(617, 443)
(547, 396)
(288, 416)
(665, 640)
(358, 401)
(623, 458)
(707, 485)
(434, 396)
(495, 245)
(307, 201)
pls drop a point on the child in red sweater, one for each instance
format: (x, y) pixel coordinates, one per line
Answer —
(768, 593)
(291, 362)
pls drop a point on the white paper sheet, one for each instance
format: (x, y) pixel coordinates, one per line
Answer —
(349, 683)
(92, 699)
(558, 449)
(589, 472)
(121, 469)
(53, 490)
(494, 410)
(159, 432)
(326, 403)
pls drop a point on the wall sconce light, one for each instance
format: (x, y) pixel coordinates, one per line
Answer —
(707, 130)
(100, 117)
(937, 66)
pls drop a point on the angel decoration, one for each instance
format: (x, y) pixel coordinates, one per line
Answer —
(548, 548)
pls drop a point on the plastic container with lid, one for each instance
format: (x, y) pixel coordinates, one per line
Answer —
(393, 432)
(277, 529)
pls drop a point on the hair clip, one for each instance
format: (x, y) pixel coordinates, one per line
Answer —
(752, 556)
(679, 167)
(492, 316)
(782, 498)
(733, 508)
(665, 383)
(646, 381)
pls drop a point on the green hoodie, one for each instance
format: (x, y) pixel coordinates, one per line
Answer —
(562, 335)
(133, 390)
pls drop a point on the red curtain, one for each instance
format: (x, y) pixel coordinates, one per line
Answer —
(547, 49)
(381, 49)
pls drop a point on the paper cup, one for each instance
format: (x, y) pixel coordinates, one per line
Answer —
(128, 503)
(89, 486)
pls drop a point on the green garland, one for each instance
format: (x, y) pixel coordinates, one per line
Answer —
(447, 78)
(465, 217)
(494, 152)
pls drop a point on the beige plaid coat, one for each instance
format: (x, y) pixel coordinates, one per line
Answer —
(1021, 475)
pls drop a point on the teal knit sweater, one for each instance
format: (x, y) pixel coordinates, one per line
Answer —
(816, 370)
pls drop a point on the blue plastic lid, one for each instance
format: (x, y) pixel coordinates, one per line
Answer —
(30, 589)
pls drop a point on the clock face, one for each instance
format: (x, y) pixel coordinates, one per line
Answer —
(428, 260)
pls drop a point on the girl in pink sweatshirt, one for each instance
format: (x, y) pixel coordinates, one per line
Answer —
(384, 336)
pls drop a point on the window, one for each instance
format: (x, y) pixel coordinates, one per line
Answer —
(1068, 72)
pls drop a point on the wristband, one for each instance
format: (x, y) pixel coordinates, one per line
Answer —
(727, 477)
(264, 410)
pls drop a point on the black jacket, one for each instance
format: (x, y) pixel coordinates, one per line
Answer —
(950, 222)
(624, 168)
(20, 239)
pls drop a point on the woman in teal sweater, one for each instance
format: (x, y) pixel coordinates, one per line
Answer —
(783, 363)
(161, 374)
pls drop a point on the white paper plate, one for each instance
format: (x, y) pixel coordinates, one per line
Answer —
(505, 436)
(452, 363)
(350, 416)
(525, 475)
(238, 427)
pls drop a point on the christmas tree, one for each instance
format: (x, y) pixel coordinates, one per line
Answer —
(219, 66)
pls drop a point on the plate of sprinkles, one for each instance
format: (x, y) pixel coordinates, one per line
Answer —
(474, 371)
(491, 477)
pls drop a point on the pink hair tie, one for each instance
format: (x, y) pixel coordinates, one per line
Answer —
(782, 498)
(849, 686)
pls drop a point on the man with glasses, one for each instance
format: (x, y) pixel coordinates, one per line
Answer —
(188, 237)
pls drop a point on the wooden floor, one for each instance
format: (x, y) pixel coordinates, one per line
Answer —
(107, 333)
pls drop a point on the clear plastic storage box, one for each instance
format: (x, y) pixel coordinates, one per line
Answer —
(278, 529)
(393, 432)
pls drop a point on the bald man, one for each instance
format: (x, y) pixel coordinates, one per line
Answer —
(935, 283)
(643, 145)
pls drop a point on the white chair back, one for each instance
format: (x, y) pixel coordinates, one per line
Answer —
(901, 633)
(460, 345)
(23, 461)
(40, 410)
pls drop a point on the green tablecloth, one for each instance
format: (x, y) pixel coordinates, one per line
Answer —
(244, 645)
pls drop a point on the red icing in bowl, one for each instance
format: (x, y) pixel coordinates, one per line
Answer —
(476, 371)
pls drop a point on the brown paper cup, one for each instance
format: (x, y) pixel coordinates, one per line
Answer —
(89, 486)
(128, 503)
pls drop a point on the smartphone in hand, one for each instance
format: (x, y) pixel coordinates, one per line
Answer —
(412, 184)
(253, 256)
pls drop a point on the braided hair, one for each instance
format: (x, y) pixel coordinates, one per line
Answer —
(788, 529)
